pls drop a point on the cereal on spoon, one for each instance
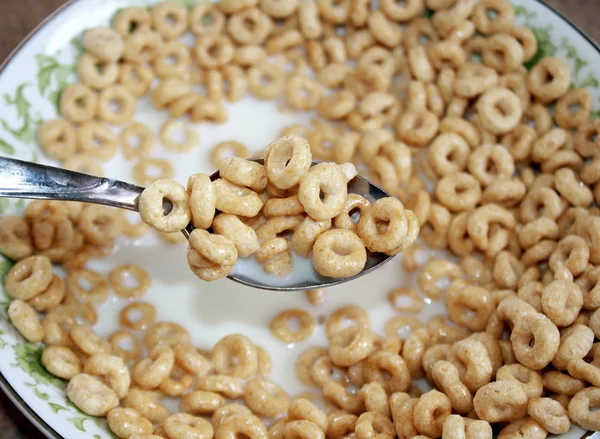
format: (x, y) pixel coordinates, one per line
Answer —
(441, 111)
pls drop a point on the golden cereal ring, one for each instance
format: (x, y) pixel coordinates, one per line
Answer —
(24, 318)
(235, 355)
(98, 287)
(169, 18)
(181, 425)
(151, 206)
(236, 200)
(339, 254)
(228, 148)
(280, 325)
(401, 232)
(96, 73)
(202, 200)
(119, 97)
(91, 396)
(57, 138)
(61, 361)
(266, 398)
(103, 43)
(287, 161)
(78, 103)
(28, 278)
(137, 315)
(96, 139)
(144, 140)
(137, 78)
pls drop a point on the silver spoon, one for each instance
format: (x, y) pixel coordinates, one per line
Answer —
(21, 179)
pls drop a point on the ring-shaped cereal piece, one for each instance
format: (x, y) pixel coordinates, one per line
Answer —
(228, 148)
(142, 46)
(348, 219)
(61, 362)
(249, 27)
(265, 398)
(57, 138)
(287, 161)
(549, 79)
(458, 192)
(216, 249)
(165, 334)
(402, 226)
(125, 345)
(235, 355)
(143, 135)
(339, 253)
(236, 200)
(206, 19)
(151, 206)
(173, 59)
(78, 103)
(326, 178)
(90, 395)
(123, 101)
(119, 284)
(212, 52)
(96, 139)
(98, 287)
(202, 200)
(183, 425)
(499, 110)
(95, 73)
(103, 43)
(137, 78)
(169, 18)
(266, 80)
(280, 325)
(87, 341)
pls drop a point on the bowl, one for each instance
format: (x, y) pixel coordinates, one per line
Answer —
(30, 82)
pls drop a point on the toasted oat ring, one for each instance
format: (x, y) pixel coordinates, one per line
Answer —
(280, 325)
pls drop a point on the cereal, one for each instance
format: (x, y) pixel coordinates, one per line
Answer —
(506, 184)
(24, 318)
(281, 326)
(151, 206)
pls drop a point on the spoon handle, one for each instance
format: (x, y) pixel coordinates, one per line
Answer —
(21, 179)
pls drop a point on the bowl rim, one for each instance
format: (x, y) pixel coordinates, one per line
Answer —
(5, 386)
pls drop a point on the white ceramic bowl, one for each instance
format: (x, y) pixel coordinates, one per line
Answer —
(29, 84)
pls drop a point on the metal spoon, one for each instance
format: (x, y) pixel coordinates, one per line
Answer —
(21, 179)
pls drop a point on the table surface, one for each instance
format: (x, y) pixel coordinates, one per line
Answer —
(19, 17)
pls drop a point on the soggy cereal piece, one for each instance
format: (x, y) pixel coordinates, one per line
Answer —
(241, 424)
(103, 43)
(87, 286)
(535, 340)
(339, 254)
(91, 396)
(112, 369)
(152, 210)
(287, 161)
(182, 425)
(61, 361)
(282, 324)
(400, 226)
(549, 79)
(350, 346)
(24, 318)
(306, 234)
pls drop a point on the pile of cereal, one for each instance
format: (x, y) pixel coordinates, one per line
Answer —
(319, 199)
(507, 178)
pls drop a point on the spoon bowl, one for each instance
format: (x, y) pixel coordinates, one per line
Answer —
(21, 179)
